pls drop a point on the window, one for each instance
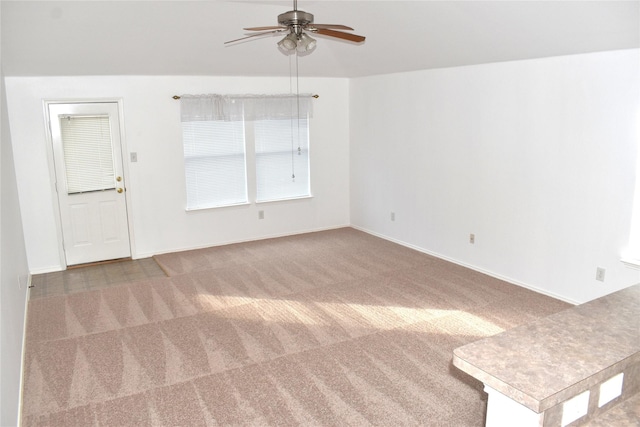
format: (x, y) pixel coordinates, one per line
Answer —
(214, 163)
(282, 159)
(219, 130)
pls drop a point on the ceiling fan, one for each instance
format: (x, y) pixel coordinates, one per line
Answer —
(297, 24)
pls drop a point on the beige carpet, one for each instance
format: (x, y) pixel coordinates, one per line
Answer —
(334, 328)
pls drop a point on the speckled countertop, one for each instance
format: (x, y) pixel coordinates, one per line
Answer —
(550, 360)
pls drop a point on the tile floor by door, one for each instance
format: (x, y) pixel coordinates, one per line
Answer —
(91, 277)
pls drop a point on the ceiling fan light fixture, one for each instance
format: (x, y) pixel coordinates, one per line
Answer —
(306, 43)
(289, 42)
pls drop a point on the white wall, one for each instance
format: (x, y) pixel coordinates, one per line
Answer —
(536, 158)
(14, 275)
(156, 183)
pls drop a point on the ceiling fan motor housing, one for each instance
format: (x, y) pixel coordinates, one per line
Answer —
(295, 18)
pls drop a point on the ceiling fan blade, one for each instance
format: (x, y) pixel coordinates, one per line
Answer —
(273, 27)
(339, 34)
(255, 35)
(331, 26)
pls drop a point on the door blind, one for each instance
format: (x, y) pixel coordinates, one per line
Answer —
(88, 153)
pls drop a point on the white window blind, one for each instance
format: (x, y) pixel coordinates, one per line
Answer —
(88, 153)
(214, 158)
(282, 159)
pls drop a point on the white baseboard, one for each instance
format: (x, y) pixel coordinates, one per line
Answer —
(22, 355)
(631, 262)
(470, 266)
(52, 269)
(373, 233)
(232, 242)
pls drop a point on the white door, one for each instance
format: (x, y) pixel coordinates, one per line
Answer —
(89, 180)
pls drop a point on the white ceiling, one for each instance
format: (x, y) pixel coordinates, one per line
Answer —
(186, 37)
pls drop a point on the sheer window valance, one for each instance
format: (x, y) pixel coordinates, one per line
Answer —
(244, 107)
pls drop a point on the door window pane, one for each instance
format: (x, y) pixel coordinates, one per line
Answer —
(88, 153)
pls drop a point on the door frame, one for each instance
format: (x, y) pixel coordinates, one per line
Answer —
(52, 171)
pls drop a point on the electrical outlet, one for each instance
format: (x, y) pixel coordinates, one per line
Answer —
(472, 238)
(600, 274)
(260, 214)
(393, 216)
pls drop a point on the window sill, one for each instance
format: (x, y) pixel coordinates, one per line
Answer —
(261, 202)
(217, 207)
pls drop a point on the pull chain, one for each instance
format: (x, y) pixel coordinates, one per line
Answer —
(298, 102)
(297, 124)
(293, 172)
